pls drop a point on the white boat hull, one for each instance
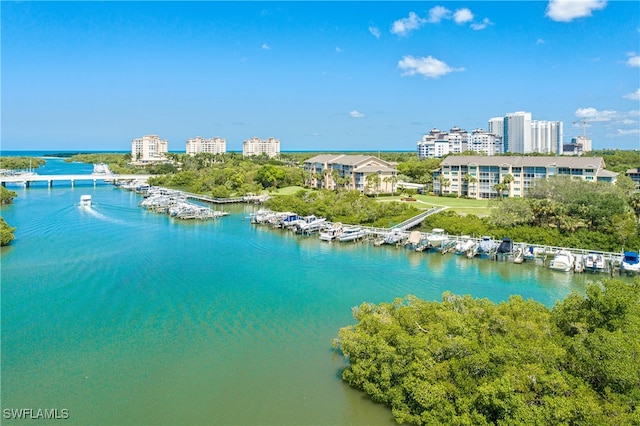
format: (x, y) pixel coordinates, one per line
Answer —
(562, 261)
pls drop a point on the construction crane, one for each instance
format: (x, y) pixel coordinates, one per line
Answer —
(584, 128)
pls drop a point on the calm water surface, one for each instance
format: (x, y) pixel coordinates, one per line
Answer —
(123, 316)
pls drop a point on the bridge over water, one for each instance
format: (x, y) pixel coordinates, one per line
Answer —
(28, 179)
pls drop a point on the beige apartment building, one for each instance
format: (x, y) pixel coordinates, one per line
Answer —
(257, 146)
(215, 145)
(149, 149)
(475, 176)
(333, 171)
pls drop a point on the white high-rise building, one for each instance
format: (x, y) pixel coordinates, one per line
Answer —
(485, 142)
(517, 132)
(149, 148)
(496, 126)
(546, 136)
(257, 146)
(214, 145)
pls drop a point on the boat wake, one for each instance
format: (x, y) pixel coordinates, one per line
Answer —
(90, 210)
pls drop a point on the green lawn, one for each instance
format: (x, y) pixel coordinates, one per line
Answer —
(459, 205)
(289, 190)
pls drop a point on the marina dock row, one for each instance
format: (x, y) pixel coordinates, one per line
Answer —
(558, 258)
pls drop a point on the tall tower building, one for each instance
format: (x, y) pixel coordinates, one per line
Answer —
(496, 126)
(546, 136)
(517, 132)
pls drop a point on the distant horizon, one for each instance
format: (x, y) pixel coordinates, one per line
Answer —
(319, 76)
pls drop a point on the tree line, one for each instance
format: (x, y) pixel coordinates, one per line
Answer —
(351, 207)
(469, 361)
(6, 231)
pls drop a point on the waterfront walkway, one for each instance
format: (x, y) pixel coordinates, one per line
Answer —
(28, 179)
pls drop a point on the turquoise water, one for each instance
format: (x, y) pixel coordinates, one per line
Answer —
(123, 316)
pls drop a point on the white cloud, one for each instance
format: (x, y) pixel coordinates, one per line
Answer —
(356, 114)
(568, 10)
(592, 114)
(404, 26)
(438, 13)
(635, 96)
(634, 59)
(625, 132)
(539, 41)
(462, 16)
(477, 26)
(374, 31)
(265, 46)
(428, 67)
(339, 50)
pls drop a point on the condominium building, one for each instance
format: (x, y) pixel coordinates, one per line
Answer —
(476, 176)
(486, 143)
(634, 174)
(214, 145)
(522, 135)
(434, 144)
(496, 127)
(437, 144)
(517, 132)
(351, 172)
(257, 146)
(546, 136)
(148, 149)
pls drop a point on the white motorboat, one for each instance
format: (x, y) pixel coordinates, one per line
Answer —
(630, 263)
(464, 244)
(101, 169)
(486, 245)
(594, 262)
(394, 236)
(331, 233)
(563, 261)
(437, 237)
(310, 224)
(351, 233)
(85, 200)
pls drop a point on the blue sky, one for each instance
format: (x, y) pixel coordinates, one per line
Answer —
(316, 75)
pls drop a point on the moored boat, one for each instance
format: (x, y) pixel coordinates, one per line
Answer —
(464, 244)
(505, 247)
(101, 169)
(394, 236)
(437, 237)
(594, 262)
(486, 245)
(331, 233)
(352, 233)
(563, 261)
(630, 263)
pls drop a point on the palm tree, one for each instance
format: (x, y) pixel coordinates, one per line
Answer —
(444, 183)
(392, 180)
(335, 176)
(500, 188)
(372, 181)
(507, 180)
(470, 179)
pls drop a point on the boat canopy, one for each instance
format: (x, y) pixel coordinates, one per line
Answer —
(631, 257)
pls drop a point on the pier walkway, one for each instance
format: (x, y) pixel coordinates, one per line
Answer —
(416, 220)
(214, 200)
(28, 179)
